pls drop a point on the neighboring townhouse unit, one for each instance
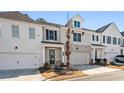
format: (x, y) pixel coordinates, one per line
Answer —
(26, 43)
(20, 38)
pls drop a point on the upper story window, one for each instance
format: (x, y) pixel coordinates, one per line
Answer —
(77, 37)
(114, 41)
(119, 41)
(123, 41)
(97, 38)
(77, 24)
(0, 33)
(31, 33)
(15, 31)
(109, 40)
(93, 38)
(103, 39)
(51, 34)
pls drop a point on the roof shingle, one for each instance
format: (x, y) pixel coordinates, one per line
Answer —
(16, 16)
(103, 28)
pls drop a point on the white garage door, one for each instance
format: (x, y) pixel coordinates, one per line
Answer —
(18, 61)
(79, 58)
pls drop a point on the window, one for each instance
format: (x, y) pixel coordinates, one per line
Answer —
(109, 40)
(93, 37)
(51, 34)
(15, 31)
(0, 33)
(114, 41)
(119, 41)
(97, 38)
(77, 24)
(123, 41)
(31, 33)
(77, 37)
(103, 39)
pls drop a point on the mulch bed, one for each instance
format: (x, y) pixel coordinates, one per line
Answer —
(117, 67)
(56, 77)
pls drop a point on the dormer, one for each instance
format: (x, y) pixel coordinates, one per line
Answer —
(75, 22)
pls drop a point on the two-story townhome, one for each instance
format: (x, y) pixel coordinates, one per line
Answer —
(80, 48)
(52, 43)
(26, 43)
(20, 38)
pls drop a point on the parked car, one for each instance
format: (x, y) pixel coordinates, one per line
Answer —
(119, 58)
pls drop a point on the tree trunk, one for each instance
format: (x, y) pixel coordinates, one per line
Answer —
(68, 48)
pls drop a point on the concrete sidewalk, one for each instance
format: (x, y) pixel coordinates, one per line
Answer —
(99, 70)
(20, 75)
(95, 69)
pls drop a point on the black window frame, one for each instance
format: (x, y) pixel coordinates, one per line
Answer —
(76, 37)
(104, 39)
(114, 40)
(93, 37)
(51, 34)
(97, 38)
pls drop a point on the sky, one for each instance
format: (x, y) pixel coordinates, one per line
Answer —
(92, 19)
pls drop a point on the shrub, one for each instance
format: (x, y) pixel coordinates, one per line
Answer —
(62, 65)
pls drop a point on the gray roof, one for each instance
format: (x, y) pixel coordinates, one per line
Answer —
(88, 29)
(51, 24)
(122, 33)
(98, 45)
(103, 28)
(16, 15)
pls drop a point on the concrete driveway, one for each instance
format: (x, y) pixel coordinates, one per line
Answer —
(20, 75)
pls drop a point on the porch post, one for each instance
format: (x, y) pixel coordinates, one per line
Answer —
(93, 55)
(63, 59)
(43, 54)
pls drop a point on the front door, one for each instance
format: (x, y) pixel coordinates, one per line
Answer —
(95, 54)
(52, 56)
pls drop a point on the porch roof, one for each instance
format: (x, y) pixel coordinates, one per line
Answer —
(98, 45)
(52, 42)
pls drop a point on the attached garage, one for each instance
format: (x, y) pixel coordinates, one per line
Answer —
(79, 58)
(18, 61)
(80, 54)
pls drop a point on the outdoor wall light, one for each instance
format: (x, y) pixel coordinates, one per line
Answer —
(72, 31)
(16, 47)
(82, 33)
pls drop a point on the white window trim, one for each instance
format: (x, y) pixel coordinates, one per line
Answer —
(34, 33)
(13, 31)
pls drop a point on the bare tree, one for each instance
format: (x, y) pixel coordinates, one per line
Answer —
(68, 47)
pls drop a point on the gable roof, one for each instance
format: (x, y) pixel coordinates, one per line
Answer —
(122, 33)
(16, 15)
(103, 28)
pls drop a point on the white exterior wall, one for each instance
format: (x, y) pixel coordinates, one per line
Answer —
(112, 50)
(28, 49)
(32, 53)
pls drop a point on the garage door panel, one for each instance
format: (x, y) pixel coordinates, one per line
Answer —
(19, 61)
(79, 58)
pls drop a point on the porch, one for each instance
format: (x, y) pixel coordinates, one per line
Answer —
(97, 52)
(53, 54)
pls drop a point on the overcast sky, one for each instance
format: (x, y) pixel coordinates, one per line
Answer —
(92, 20)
